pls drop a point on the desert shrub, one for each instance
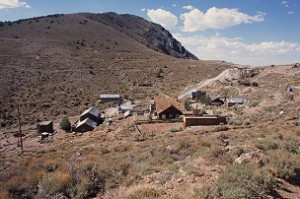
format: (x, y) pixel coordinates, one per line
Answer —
(254, 103)
(282, 164)
(15, 186)
(34, 177)
(86, 180)
(65, 124)
(240, 181)
(174, 130)
(81, 189)
(51, 164)
(104, 151)
(265, 144)
(55, 182)
(290, 145)
(237, 151)
(145, 193)
(217, 152)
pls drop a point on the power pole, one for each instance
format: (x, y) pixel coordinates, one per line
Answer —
(20, 130)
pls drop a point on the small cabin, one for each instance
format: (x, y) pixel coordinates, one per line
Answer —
(216, 101)
(197, 94)
(235, 101)
(46, 126)
(92, 113)
(167, 108)
(111, 98)
(85, 125)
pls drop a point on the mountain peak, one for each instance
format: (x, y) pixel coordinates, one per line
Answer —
(148, 33)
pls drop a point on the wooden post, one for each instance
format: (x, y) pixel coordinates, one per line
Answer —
(20, 130)
(139, 132)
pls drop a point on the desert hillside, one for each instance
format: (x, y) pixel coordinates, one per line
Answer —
(58, 65)
(234, 132)
(255, 155)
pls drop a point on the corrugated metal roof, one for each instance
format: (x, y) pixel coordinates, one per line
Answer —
(45, 123)
(87, 121)
(236, 100)
(126, 106)
(109, 96)
(93, 111)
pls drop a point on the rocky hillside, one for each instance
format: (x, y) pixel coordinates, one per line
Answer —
(58, 65)
(150, 34)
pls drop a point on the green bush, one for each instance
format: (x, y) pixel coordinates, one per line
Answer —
(187, 105)
(65, 124)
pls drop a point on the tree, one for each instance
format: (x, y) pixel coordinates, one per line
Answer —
(65, 124)
(187, 105)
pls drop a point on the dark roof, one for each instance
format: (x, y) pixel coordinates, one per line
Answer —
(87, 121)
(92, 111)
(213, 98)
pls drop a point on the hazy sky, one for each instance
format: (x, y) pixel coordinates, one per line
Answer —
(255, 32)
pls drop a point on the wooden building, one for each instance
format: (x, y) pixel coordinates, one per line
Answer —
(244, 82)
(197, 94)
(216, 101)
(46, 126)
(203, 120)
(111, 98)
(92, 113)
(85, 125)
(167, 108)
(235, 101)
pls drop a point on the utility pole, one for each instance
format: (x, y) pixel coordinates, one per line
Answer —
(20, 130)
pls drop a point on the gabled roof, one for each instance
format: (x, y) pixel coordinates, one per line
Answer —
(87, 121)
(213, 98)
(164, 103)
(93, 111)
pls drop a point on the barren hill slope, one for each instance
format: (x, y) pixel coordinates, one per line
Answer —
(150, 34)
(58, 65)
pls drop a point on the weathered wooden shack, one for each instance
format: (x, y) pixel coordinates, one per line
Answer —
(45, 126)
(92, 113)
(197, 94)
(111, 98)
(85, 125)
(167, 108)
(235, 101)
(216, 101)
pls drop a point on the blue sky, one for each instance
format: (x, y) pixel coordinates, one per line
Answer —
(255, 32)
